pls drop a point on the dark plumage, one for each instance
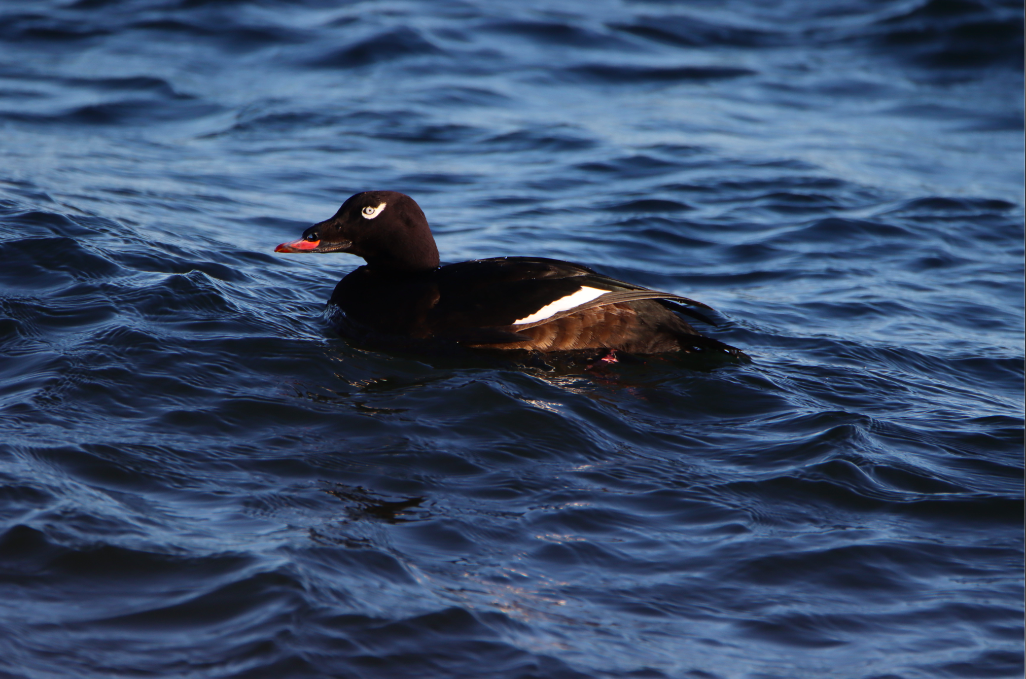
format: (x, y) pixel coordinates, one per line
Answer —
(403, 296)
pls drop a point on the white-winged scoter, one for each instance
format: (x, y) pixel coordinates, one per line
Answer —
(403, 296)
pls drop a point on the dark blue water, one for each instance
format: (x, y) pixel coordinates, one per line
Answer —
(198, 478)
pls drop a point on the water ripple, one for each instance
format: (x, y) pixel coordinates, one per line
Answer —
(197, 476)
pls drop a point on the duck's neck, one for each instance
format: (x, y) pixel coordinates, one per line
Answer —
(410, 255)
(389, 268)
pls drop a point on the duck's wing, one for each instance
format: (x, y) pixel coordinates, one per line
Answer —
(510, 294)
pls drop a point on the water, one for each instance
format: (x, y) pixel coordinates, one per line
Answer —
(198, 478)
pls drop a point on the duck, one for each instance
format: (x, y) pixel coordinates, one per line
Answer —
(403, 296)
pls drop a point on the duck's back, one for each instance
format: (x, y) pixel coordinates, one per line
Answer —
(516, 303)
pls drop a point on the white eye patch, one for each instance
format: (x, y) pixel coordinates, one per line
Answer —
(372, 212)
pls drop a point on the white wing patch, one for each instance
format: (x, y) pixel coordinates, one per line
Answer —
(585, 294)
(372, 212)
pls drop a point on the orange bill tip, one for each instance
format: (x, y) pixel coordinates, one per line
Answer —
(298, 246)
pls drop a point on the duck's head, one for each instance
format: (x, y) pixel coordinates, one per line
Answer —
(386, 228)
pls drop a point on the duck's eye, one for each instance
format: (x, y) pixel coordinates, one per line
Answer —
(372, 212)
(311, 236)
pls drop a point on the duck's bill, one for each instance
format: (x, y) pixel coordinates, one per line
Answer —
(299, 246)
(303, 245)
